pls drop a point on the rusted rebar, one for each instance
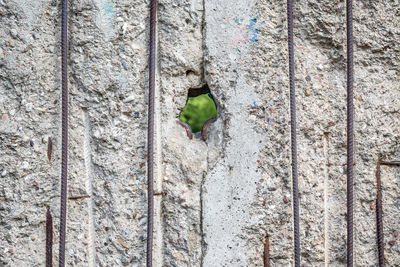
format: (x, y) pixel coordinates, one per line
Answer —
(390, 163)
(78, 197)
(49, 148)
(150, 133)
(64, 131)
(350, 131)
(49, 239)
(266, 252)
(379, 222)
(296, 227)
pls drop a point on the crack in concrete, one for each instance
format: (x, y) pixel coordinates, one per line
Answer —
(202, 241)
(89, 189)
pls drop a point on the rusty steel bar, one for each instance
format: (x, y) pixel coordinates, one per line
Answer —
(350, 131)
(150, 134)
(64, 131)
(390, 163)
(379, 222)
(266, 255)
(49, 239)
(78, 197)
(296, 227)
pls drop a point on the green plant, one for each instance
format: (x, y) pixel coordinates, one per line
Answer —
(198, 110)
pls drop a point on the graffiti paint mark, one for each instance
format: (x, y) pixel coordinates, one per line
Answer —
(108, 8)
(105, 17)
(254, 36)
(253, 30)
(237, 21)
(247, 33)
(252, 23)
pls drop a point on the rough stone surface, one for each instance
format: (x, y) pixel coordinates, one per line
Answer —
(216, 199)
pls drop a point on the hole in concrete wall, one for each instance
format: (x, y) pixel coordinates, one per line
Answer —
(189, 72)
(200, 109)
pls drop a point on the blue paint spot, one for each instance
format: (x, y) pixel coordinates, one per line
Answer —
(254, 103)
(108, 8)
(252, 23)
(254, 38)
(237, 21)
(254, 31)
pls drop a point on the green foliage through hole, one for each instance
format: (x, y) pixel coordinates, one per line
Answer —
(198, 110)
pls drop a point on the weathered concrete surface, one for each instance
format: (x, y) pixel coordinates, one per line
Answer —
(216, 200)
(107, 131)
(230, 188)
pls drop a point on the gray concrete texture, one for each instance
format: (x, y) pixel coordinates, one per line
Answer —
(216, 200)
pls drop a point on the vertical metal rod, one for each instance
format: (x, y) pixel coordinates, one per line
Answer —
(150, 133)
(64, 138)
(379, 222)
(266, 252)
(350, 131)
(49, 239)
(296, 227)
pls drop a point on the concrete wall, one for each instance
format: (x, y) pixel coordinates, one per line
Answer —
(216, 200)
